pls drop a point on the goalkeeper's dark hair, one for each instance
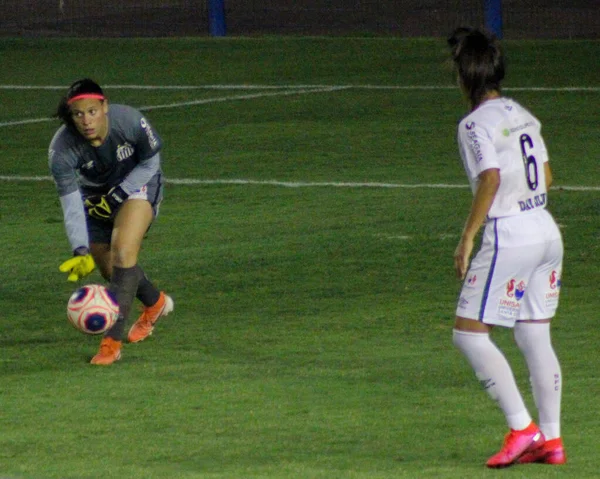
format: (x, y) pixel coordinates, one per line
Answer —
(479, 61)
(84, 88)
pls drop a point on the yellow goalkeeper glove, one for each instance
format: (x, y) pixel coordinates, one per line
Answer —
(79, 266)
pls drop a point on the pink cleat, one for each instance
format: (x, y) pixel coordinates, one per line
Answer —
(516, 444)
(552, 452)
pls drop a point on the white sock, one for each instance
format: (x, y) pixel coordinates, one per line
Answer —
(494, 373)
(534, 342)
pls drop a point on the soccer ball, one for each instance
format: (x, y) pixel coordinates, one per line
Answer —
(92, 309)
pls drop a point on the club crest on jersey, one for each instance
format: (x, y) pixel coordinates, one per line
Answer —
(553, 293)
(515, 290)
(124, 151)
(471, 280)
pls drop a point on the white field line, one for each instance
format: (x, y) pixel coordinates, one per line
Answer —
(303, 184)
(249, 96)
(288, 90)
(204, 101)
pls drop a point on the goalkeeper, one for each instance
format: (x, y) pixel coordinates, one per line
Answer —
(105, 161)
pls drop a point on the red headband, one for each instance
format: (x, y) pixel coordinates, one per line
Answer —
(95, 96)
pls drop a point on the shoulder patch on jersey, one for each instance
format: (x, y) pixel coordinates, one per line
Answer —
(149, 132)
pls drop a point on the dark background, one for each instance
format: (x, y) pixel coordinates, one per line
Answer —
(406, 18)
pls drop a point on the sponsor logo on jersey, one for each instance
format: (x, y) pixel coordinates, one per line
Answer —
(509, 308)
(152, 139)
(508, 131)
(473, 143)
(124, 151)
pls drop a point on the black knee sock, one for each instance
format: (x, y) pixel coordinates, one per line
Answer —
(147, 293)
(124, 284)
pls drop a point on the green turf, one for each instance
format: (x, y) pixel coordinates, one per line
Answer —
(311, 336)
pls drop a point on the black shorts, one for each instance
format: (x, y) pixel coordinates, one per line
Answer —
(101, 231)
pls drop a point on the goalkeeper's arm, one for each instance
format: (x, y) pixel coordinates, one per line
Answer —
(82, 262)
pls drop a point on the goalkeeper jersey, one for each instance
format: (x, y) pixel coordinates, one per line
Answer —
(129, 156)
(75, 163)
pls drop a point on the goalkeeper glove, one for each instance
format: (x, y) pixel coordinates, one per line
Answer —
(105, 207)
(79, 266)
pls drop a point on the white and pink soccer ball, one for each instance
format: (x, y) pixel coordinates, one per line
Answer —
(92, 309)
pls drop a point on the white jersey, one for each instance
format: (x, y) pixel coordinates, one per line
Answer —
(502, 134)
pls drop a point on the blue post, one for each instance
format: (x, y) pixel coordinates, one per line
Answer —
(492, 12)
(216, 18)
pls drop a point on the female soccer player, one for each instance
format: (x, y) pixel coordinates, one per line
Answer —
(514, 279)
(105, 162)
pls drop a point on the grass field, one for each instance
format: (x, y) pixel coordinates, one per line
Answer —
(314, 201)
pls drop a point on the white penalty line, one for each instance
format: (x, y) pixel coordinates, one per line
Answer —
(204, 101)
(303, 184)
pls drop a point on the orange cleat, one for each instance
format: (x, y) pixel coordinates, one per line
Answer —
(110, 351)
(516, 444)
(143, 327)
(552, 452)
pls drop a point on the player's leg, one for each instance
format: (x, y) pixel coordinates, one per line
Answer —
(156, 303)
(131, 223)
(147, 293)
(101, 255)
(534, 340)
(495, 375)
(486, 300)
(492, 370)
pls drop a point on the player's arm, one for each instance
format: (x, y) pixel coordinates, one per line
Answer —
(489, 182)
(63, 173)
(141, 174)
(82, 263)
(147, 150)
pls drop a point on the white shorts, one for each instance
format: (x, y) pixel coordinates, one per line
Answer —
(516, 273)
